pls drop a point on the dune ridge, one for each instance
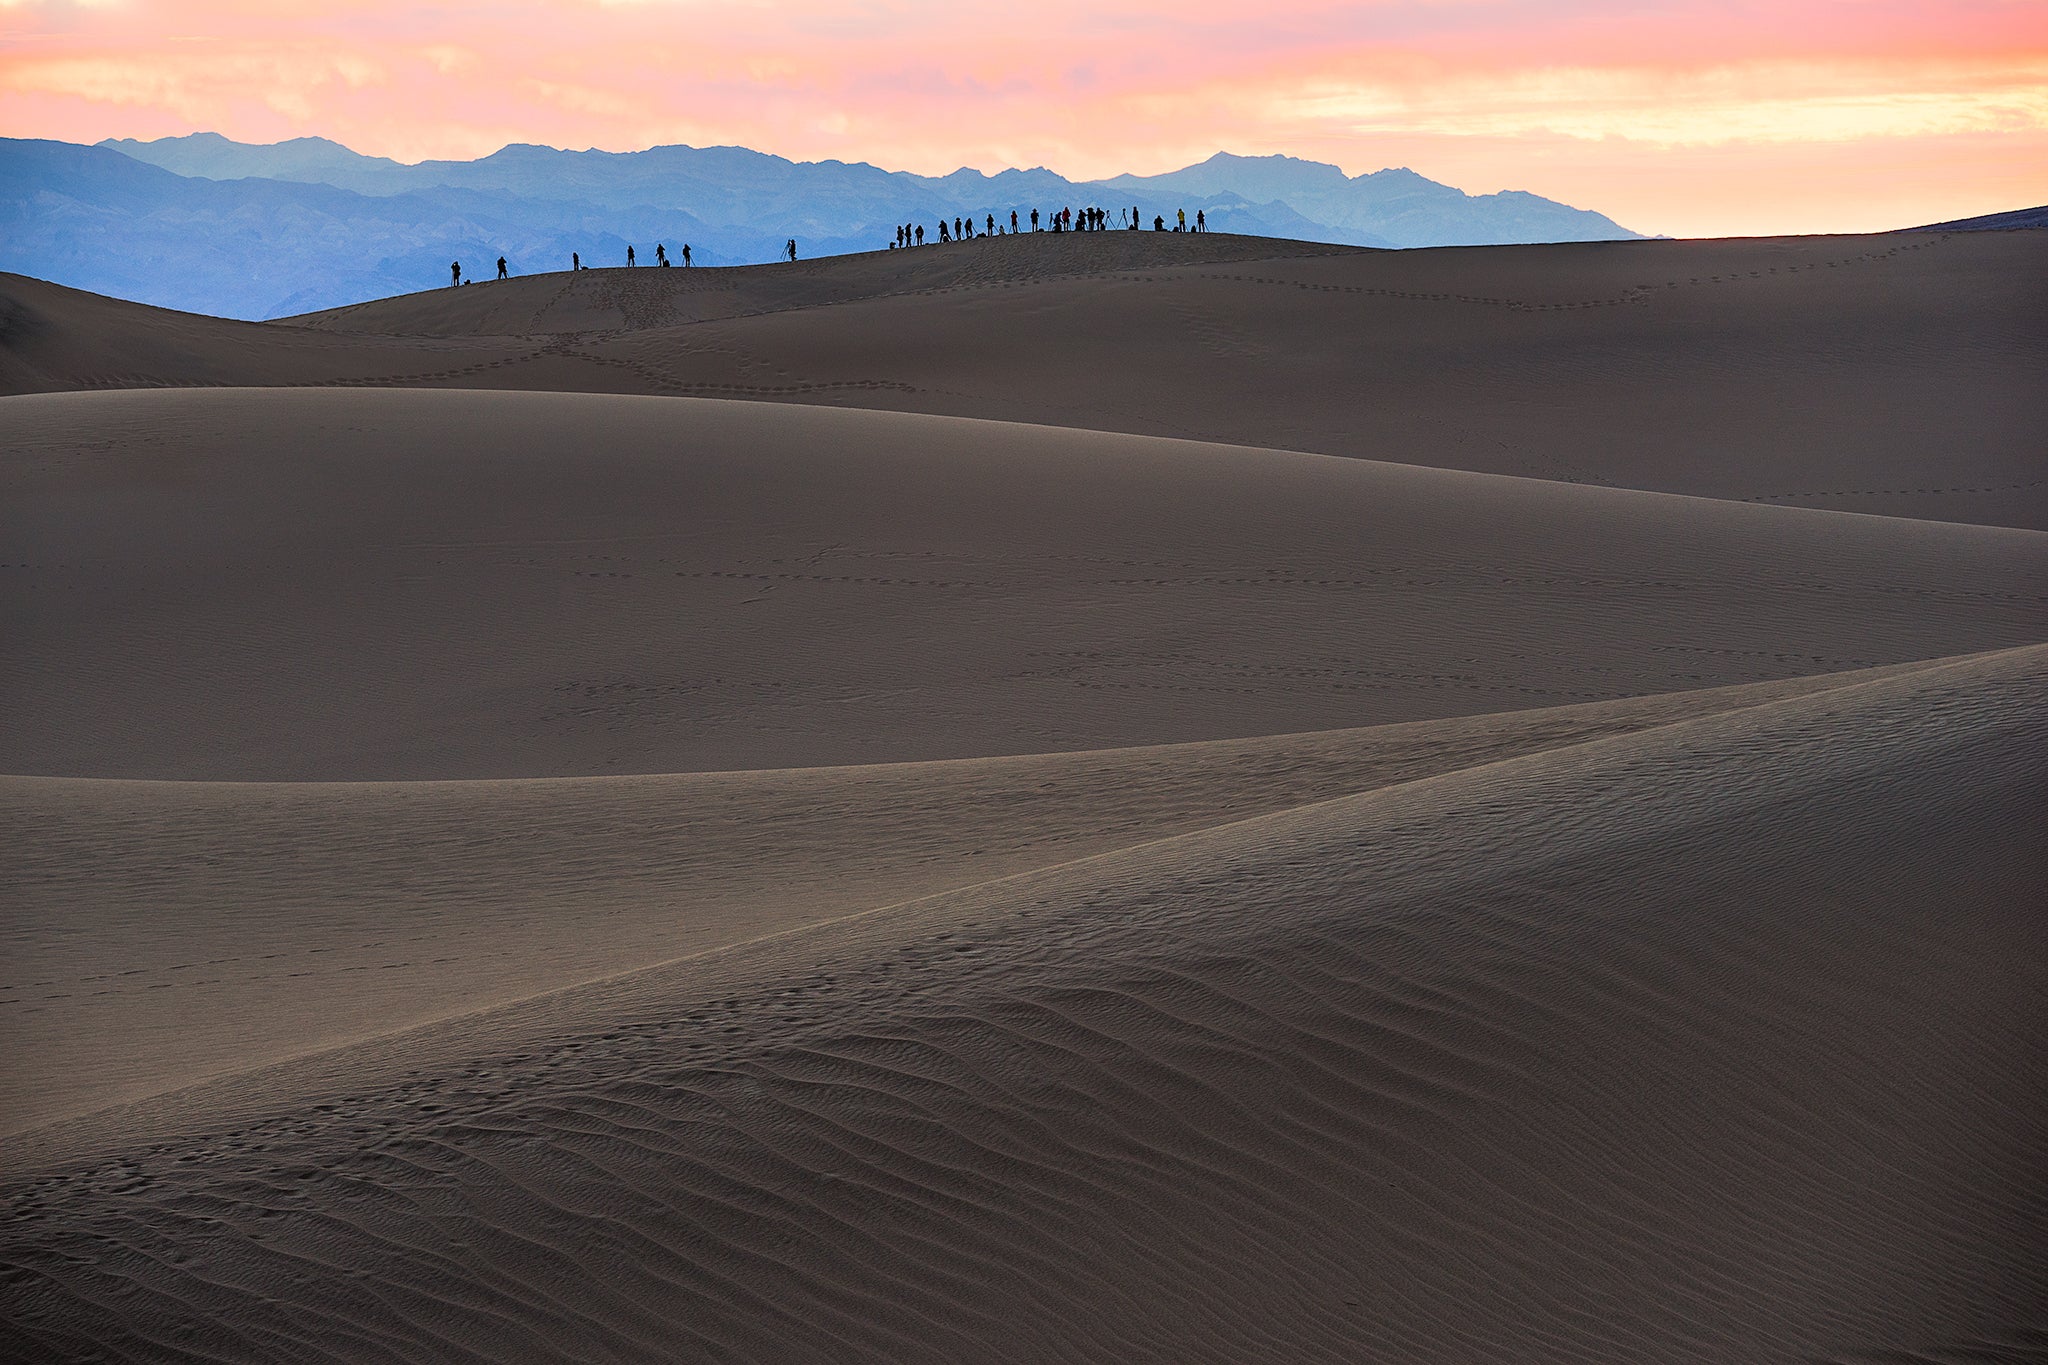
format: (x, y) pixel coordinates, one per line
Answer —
(243, 924)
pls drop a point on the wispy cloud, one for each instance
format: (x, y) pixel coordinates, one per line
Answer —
(1647, 109)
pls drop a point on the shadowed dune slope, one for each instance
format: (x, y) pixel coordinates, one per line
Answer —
(1645, 1049)
(266, 585)
(162, 934)
(1894, 374)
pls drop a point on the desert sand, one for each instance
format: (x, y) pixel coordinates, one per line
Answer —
(1105, 797)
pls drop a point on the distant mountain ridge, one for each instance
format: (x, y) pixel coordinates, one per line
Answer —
(208, 224)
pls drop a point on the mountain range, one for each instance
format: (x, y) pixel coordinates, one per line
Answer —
(206, 224)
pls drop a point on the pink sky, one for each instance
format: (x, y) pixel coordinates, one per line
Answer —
(1689, 117)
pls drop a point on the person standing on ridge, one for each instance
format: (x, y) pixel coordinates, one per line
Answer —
(1134, 217)
(991, 225)
(1182, 225)
(1013, 222)
(792, 251)
(629, 255)
(686, 255)
(575, 260)
(501, 267)
(660, 254)
(454, 274)
(1201, 221)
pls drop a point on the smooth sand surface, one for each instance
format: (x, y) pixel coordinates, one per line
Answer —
(317, 586)
(498, 871)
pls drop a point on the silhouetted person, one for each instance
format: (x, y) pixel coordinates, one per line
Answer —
(920, 234)
(629, 255)
(1034, 220)
(454, 273)
(792, 251)
(991, 225)
(686, 255)
(575, 260)
(1134, 217)
(1013, 220)
(1158, 223)
(660, 254)
(501, 267)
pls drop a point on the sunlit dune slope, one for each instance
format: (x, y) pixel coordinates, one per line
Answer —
(318, 586)
(1638, 1050)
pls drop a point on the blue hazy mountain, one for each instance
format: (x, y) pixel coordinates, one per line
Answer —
(243, 230)
(1396, 205)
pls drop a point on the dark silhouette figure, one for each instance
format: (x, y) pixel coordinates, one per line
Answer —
(1158, 222)
(944, 234)
(660, 254)
(920, 234)
(792, 250)
(1034, 220)
(575, 260)
(629, 255)
(501, 267)
(1013, 220)
(1134, 217)
(686, 254)
(991, 225)
(454, 273)
(1201, 221)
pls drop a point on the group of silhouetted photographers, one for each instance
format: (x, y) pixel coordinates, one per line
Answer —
(1059, 220)
(576, 261)
(960, 230)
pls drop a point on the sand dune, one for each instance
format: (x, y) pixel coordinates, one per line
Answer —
(511, 855)
(236, 925)
(1632, 1050)
(261, 585)
(1893, 374)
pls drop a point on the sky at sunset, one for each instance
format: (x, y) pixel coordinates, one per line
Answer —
(1688, 117)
